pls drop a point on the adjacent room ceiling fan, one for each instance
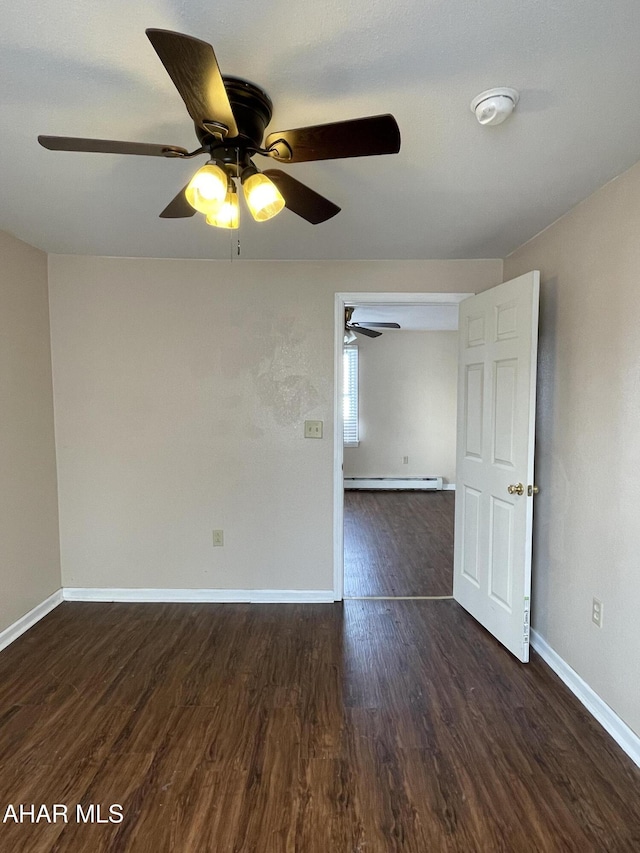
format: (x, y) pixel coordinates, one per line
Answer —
(351, 328)
(230, 116)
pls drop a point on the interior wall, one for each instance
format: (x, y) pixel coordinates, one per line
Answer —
(407, 406)
(29, 544)
(587, 537)
(181, 390)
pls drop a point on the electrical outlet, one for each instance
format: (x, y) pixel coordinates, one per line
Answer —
(218, 538)
(313, 429)
(596, 613)
(405, 460)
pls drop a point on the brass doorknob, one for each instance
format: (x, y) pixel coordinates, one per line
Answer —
(518, 489)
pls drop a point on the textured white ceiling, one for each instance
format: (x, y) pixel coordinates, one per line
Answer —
(411, 318)
(455, 190)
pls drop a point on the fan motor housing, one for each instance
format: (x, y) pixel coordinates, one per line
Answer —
(252, 110)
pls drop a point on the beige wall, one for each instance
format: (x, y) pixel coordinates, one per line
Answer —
(587, 536)
(181, 389)
(408, 386)
(29, 550)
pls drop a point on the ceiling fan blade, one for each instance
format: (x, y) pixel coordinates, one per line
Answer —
(360, 330)
(301, 199)
(359, 137)
(110, 146)
(193, 67)
(178, 207)
(381, 325)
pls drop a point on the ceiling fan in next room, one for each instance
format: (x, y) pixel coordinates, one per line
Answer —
(352, 328)
(230, 116)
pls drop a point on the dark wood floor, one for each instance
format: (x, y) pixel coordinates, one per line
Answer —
(398, 543)
(372, 726)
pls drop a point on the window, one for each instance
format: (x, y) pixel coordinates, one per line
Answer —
(350, 395)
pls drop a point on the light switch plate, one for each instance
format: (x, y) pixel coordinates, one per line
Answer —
(313, 429)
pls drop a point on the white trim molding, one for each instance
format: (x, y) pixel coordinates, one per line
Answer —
(29, 619)
(194, 596)
(625, 737)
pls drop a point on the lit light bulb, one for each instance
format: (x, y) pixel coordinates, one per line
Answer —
(207, 189)
(262, 196)
(227, 214)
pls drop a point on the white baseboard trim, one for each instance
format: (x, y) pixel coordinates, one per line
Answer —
(220, 596)
(29, 619)
(449, 487)
(608, 719)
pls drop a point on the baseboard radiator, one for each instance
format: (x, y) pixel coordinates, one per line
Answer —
(422, 483)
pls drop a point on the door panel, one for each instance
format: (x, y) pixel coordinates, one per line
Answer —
(498, 334)
(471, 534)
(474, 390)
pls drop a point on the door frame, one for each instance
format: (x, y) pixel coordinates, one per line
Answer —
(340, 302)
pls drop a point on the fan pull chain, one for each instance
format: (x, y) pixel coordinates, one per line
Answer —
(238, 179)
(231, 230)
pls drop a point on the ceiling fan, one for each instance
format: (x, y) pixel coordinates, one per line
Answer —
(230, 116)
(352, 328)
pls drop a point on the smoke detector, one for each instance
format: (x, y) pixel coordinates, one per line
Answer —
(494, 106)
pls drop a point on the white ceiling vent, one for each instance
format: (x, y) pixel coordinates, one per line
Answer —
(494, 106)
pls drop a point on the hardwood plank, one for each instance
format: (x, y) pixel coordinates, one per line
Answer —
(59, 764)
(327, 817)
(370, 726)
(398, 543)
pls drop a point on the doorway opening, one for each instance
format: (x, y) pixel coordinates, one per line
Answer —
(385, 538)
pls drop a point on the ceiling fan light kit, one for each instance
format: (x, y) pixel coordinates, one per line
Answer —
(230, 116)
(227, 214)
(207, 189)
(494, 106)
(262, 196)
(212, 192)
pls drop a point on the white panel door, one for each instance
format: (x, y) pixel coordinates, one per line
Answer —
(498, 344)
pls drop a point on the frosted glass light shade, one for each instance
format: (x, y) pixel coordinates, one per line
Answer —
(207, 189)
(263, 197)
(227, 214)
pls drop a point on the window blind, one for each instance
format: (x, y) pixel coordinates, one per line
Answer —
(350, 395)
